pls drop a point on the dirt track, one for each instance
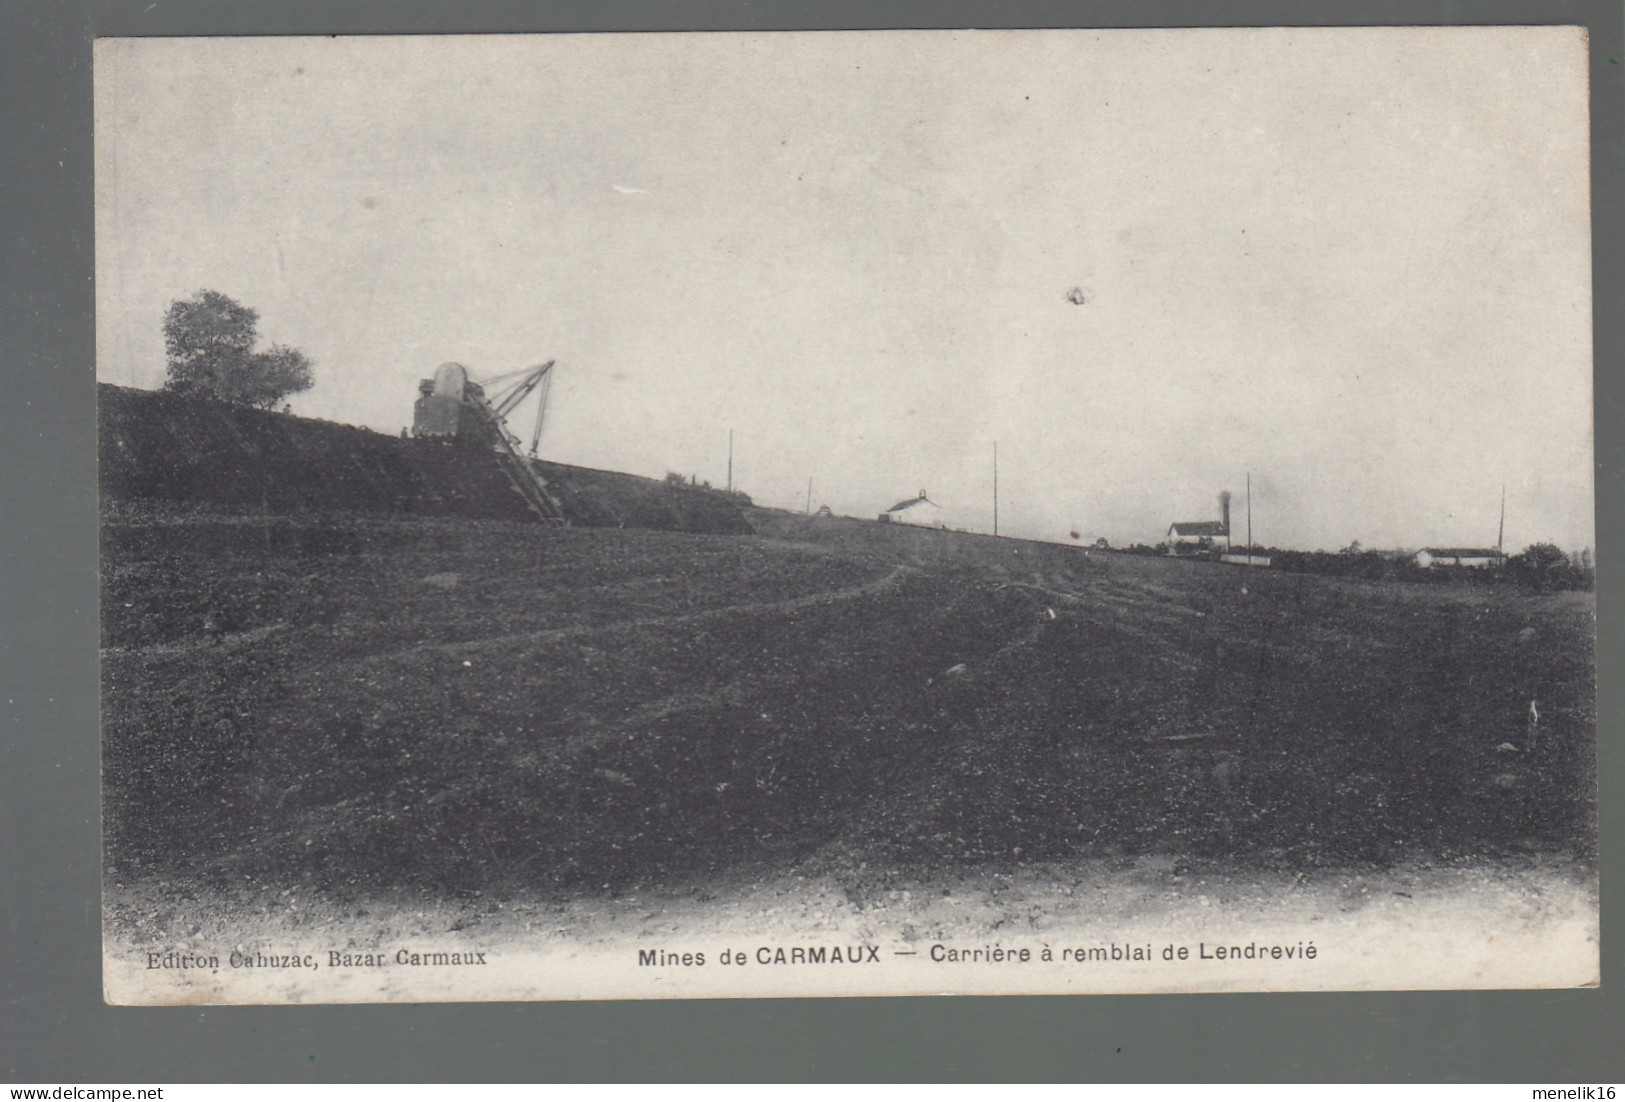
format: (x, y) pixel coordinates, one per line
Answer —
(448, 706)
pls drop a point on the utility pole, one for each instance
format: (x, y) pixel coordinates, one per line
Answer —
(1249, 517)
(1501, 532)
(730, 461)
(995, 487)
(809, 495)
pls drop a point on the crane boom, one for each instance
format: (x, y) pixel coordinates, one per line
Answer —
(505, 400)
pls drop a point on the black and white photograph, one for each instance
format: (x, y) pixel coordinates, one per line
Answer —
(837, 513)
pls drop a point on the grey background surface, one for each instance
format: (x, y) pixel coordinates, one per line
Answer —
(53, 1026)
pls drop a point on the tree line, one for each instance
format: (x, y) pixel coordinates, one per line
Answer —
(1541, 566)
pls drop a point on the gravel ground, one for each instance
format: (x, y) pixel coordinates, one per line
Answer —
(343, 710)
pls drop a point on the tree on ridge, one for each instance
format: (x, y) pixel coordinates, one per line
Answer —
(210, 338)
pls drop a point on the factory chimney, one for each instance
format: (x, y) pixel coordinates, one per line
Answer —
(1224, 511)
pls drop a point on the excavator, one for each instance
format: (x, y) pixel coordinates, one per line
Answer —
(451, 406)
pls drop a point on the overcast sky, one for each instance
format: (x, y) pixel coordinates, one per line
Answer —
(1355, 263)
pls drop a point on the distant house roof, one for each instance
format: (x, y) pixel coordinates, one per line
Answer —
(1199, 528)
(911, 501)
(1461, 552)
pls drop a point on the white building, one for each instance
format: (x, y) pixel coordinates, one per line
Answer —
(1482, 558)
(1190, 537)
(919, 511)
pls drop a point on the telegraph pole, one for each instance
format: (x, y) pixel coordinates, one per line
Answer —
(730, 461)
(995, 487)
(809, 496)
(1249, 518)
(1501, 532)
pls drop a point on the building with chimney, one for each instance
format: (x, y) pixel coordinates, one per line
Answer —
(1199, 537)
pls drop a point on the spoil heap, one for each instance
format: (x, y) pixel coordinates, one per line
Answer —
(167, 447)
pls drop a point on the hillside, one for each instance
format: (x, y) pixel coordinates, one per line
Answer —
(163, 447)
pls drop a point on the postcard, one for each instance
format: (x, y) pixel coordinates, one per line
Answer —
(635, 516)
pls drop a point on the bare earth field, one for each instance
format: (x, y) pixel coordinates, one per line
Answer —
(342, 730)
